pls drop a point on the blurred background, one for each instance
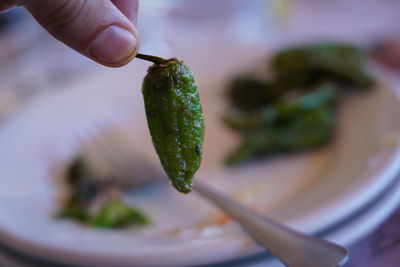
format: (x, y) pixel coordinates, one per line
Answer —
(34, 64)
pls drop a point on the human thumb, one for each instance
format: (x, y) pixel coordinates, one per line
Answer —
(94, 28)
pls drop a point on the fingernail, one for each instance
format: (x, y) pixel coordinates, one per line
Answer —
(113, 45)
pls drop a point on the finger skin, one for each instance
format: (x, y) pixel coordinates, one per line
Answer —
(129, 8)
(80, 23)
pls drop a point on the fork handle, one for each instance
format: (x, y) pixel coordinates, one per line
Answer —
(294, 249)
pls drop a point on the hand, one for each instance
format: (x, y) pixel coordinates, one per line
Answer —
(103, 30)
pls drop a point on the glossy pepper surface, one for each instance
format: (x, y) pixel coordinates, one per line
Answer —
(175, 120)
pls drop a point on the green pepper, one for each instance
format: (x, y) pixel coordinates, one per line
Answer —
(175, 119)
(303, 131)
(85, 189)
(299, 113)
(280, 110)
(245, 122)
(309, 64)
(249, 94)
(116, 214)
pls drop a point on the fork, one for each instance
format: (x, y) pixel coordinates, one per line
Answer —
(291, 247)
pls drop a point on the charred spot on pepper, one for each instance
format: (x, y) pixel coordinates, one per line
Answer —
(197, 149)
(152, 114)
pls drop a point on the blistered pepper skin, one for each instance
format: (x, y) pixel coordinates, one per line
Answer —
(175, 120)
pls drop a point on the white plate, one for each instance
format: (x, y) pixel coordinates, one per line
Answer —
(310, 192)
(347, 232)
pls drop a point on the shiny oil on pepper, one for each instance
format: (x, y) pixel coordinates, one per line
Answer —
(175, 118)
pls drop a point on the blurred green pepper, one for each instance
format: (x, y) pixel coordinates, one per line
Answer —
(85, 189)
(245, 122)
(305, 65)
(249, 94)
(116, 214)
(304, 130)
(295, 111)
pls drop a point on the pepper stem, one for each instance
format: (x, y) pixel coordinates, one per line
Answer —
(154, 59)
